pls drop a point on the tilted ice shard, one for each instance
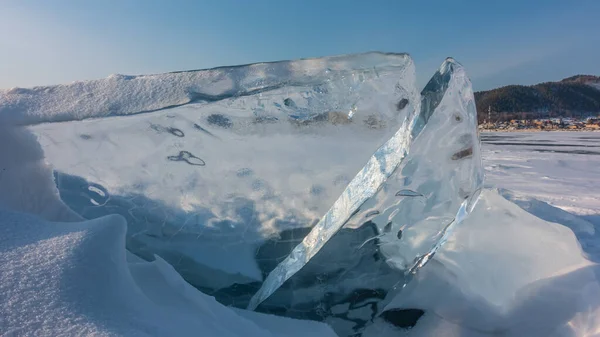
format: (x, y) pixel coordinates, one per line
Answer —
(412, 201)
(444, 168)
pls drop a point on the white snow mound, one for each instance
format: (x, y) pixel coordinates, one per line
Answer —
(115, 95)
(504, 272)
(73, 279)
(26, 181)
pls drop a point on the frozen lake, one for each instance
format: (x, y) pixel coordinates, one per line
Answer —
(560, 168)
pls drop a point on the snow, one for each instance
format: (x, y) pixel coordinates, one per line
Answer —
(586, 228)
(504, 272)
(73, 279)
(26, 182)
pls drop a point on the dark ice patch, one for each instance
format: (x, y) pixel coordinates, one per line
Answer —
(175, 132)
(200, 128)
(187, 157)
(463, 154)
(160, 129)
(402, 318)
(402, 104)
(569, 152)
(265, 119)
(408, 193)
(317, 190)
(244, 172)
(289, 103)
(156, 127)
(219, 120)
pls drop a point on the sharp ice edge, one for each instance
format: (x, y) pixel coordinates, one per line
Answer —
(370, 179)
(422, 261)
(126, 95)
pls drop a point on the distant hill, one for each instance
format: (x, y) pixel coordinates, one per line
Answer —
(576, 96)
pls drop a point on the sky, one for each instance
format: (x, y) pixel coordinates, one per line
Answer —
(499, 42)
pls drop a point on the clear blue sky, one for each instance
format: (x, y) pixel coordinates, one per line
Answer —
(500, 42)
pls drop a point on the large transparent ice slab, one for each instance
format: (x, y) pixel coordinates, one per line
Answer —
(253, 151)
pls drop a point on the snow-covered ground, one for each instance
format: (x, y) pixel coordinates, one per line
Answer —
(561, 168)
(552, 175)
